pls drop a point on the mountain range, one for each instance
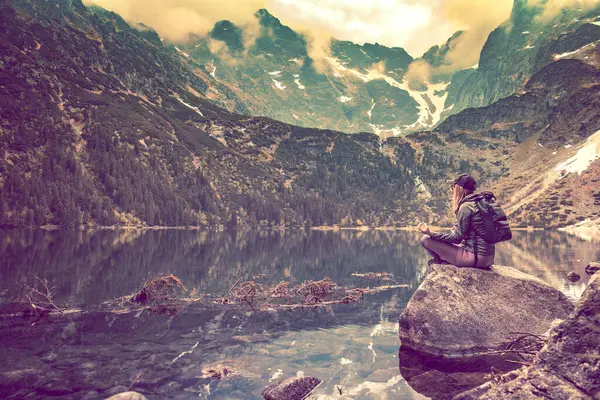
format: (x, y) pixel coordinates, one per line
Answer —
(103, 123)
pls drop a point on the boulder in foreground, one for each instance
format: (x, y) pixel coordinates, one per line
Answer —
(466, 312)
(291, 389)
(127, 396)
(568, 367)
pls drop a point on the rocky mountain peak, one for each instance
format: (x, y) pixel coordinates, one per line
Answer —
(229, 33)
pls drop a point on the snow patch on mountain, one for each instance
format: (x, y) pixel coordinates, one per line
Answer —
(300, 86)
(587, 154)
(275, 73)
(370, 112)
(430, 112)
(431, 102)
(279, 85)
(383, 131)
(214, 69)
(189, 105)
(570, 53)
(344, 99)
(365, 53)
(182, 52)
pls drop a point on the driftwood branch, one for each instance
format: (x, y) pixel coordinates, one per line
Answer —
(165, 294)
(41, 300)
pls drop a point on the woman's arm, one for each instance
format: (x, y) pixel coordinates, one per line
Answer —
(457, 234)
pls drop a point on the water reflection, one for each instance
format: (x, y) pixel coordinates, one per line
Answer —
(550, 255)
(89, 268)
(99, 352)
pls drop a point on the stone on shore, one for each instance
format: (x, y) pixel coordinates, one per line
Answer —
(291, 389)
(127, 396)
(567, 367)
(592, 268)
(573, 277)
(466, 312)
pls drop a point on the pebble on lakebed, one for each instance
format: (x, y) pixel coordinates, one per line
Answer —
(592, 268)
(573, 277)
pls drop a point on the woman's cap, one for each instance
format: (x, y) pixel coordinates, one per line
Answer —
(466, 181)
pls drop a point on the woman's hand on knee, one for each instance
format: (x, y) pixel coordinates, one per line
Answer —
(424, 228)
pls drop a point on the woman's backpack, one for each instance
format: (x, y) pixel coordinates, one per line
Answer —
(495, 224)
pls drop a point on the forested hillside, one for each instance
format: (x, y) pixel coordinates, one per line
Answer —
(102, 125)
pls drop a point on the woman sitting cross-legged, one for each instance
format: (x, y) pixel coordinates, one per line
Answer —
(464, 246)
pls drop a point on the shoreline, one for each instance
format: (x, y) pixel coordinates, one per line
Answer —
(321, 228)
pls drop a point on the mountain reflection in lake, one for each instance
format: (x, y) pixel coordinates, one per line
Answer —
(98, 352)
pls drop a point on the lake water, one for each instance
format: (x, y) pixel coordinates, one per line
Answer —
(107, 348)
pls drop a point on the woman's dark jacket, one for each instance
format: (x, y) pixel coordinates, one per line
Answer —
(468, 229)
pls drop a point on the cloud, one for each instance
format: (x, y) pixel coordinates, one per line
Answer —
(419, 72)
(551, 8)
(391, 23)
(176, 19)
(318, 45)
(414, 25)
(477, 19)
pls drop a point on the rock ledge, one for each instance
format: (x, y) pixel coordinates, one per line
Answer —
(465, 312)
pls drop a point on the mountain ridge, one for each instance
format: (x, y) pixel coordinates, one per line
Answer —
(103, 125)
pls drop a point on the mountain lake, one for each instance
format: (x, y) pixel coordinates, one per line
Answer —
(101, 343)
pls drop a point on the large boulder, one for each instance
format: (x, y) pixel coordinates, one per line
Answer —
(127, 396)
(567, 367)
(467, 312)
(291, 388)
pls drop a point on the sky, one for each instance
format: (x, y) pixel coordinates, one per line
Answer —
(411, 24)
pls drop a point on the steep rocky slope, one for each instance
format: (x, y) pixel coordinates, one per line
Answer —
(538, 149)
(521, 47)
(355, 88)
(364, 87)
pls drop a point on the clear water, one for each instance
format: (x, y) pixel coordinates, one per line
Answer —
(103, 350)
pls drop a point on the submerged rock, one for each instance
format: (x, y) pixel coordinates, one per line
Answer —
(466, 312)
(441, 378)
(592, 268)
(127, 396)
(291, 389)
(573, 277)
(568, 367)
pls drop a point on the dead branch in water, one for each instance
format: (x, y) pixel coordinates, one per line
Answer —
(308, 294)
(41, 300)
(159, 288)
(164, 295)
(384, 276)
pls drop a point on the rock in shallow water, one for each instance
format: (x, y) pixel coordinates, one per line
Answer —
(568, 367)
(592, 268)
(127, 396)
(465, 312)
(291, 389)
(573, 277)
